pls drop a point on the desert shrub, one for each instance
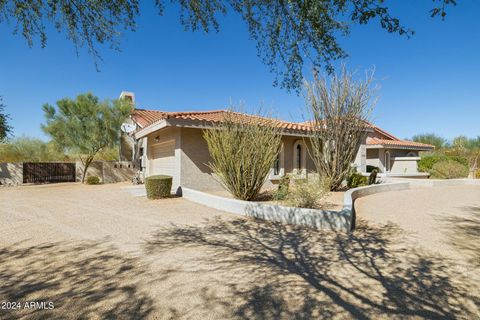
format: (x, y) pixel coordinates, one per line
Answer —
(339, 108)
(243, 149)
(92, 180)
(427, 162)
(158, 186)
(477, 174)
(371, 168)
(30, 149)
(282, 190)
(448, 169)
(355, 180)
(305, 194)
(372, 178)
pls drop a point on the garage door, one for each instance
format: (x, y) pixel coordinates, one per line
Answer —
(163, 158)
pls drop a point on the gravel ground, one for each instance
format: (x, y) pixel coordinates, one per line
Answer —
(97, 252)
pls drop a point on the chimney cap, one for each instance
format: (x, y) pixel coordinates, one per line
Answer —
(127, 95)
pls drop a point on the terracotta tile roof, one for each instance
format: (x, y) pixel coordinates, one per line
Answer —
(147, 117)
(398, 143)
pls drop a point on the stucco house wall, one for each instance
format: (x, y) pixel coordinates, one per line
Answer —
(194, 156)
(401, 161)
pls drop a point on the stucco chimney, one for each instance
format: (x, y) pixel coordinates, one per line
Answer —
(128, 96)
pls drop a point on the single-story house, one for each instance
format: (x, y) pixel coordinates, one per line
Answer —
(172, 143)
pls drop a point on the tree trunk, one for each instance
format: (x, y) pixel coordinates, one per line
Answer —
(86, 164)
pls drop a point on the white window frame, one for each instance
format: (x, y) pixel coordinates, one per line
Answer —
(281, 172)
(303, 159)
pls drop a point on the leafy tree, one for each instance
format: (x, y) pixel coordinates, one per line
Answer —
(287, 32)
(85, 125)
(339, 108)
(5, 129)
(431, 138)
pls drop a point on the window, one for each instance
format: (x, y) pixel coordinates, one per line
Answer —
(299, 157)
(141, 152)
(277, 170)
(387, 161)
(276, 166)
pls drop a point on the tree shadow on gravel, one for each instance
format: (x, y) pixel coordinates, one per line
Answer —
(463, 233)
(84, 280)
(299, 273)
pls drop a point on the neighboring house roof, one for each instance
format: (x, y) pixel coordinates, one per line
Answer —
(380, 139)
(398, 143)
(383, 139)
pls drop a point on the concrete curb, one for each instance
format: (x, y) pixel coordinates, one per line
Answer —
(343, 220)
(319, 219)
(436, 182)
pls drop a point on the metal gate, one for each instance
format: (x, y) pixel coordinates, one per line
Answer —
(41, 172)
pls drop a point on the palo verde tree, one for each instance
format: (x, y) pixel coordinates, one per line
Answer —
(5, 128)
(288, 33)
(85, 125)
(339, 108)
(431, 138)
(243, 149)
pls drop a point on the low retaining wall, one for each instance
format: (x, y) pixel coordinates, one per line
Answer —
(343, 220)
(108, 171)
(11, 173)
(435, 182)
(320, 219)
(354, 194)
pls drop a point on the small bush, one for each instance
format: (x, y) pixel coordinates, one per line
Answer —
(477, 174)
(372, 179)
(92, 180)
(158, 186)
(355, 180)
(306, 194)
(448, 169)
(282, 190)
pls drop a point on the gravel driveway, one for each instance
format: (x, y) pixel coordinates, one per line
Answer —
(97, 252)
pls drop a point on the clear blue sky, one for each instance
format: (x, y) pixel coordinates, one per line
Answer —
(429, 83)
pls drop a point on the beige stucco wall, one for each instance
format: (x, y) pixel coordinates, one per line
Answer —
(11, 173)
(376, 157)
(194, 158)
(108, 171)
(405, 165)
(197, 175)
(95, 169)
(360, 161)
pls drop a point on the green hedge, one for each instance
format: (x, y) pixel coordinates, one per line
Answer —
(428, 161)
(158, 186)
(92, 180)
